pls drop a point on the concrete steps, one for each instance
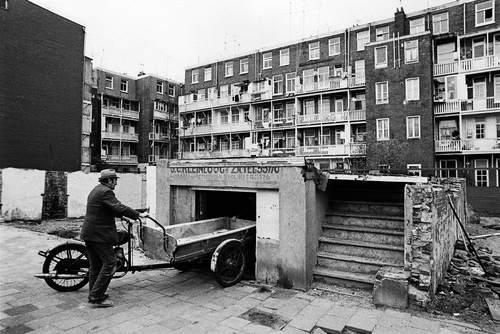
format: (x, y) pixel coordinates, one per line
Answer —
(358, 239)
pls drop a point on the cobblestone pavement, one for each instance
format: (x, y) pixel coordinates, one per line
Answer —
(169, 301)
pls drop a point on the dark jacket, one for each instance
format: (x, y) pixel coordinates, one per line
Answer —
(102, 208)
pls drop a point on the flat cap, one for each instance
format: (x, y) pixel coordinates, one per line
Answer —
(108, 174)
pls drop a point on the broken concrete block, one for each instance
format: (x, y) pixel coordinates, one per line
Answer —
(418, 297)
(391, 287)
(494, 306)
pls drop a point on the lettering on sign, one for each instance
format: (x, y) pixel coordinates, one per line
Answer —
(226, 170)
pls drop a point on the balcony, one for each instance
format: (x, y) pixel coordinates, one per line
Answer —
(329, 84)
(187, 102)
(342, 116)
(155, 158)
(165, 116)
(332, 150)
(120, 159)
(356, 81)
(215, 154)
(446, 68)
(489, 145)
(471, 105)
(468, 65)
(121, 136)
(479, 64)
(195, 130)
(283, 122)
(163, 137)
(231, 127)
(120, 113)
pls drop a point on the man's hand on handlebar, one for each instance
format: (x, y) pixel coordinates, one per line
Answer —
(143, 214)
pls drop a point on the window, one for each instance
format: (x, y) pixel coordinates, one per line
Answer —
(412, 89)
(323, 74)
(201, 95)
(498, 127)
(446, 53)
(278, 112)
(440, 23)
(284, 57)
(267, 60)
(448, 168)
(223, 91)
(484, 13)
(414, 169)
(109, 82)
(325, 106)
(235, 144)
(308, 79)
(124, 85)
(235, 116)
(362, 38)
(290, 139)
(451, 87)
(413, 127)
(381, 92)
(339, 105)
(334, 46)
(228, 66)
(496, 90)
(359, 70)
(243, 65)
(277, 84)
(480, 125)
(224, 117)
(171, 90)
(290, 110)
(314, 50)
(310, 137)
(481, 175)
(159, 87)
(417, 26)
(381, 57)
(194, 76)
(290, 83)
(382, 33)
(411, 52)
(159, 105)
(309, 108)
(478, 47)
(208, 74)
(382, 129)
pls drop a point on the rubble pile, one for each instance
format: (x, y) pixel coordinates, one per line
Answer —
(466, 290)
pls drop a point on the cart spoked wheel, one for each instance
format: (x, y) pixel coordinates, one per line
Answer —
(70, 261)
(230, 265)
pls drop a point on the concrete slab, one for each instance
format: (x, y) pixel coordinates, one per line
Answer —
(364, 321)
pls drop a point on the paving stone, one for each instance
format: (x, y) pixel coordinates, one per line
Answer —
(235, 322)
(69, 323)
(332, 324)
(292, 330)
(16, 329)
(174, 323)
(422, 323)
(256, 329)
(389, 321)
(20, 310)
(341, 311)
(364, 320)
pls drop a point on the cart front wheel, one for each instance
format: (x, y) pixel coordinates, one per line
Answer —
(230, 263)
(70, 261)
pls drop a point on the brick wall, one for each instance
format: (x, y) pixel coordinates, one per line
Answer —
(41, 102)
(431, 230)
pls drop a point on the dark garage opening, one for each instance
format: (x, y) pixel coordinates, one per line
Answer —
(213, 204)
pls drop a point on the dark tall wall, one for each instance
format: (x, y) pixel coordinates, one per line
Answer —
(41, 66)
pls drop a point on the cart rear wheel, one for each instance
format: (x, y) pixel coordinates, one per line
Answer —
(230, 265)
(69, 259)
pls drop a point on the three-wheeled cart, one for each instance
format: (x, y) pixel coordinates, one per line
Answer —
(223, 241)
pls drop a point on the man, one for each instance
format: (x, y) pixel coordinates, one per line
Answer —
(100, 235)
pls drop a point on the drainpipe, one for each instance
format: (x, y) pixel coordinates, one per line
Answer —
(393, 50)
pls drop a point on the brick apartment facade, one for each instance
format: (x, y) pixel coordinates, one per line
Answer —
(383, 95)
(135, 120)
(41, 88)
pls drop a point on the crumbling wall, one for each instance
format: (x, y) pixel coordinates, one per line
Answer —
(431, 230)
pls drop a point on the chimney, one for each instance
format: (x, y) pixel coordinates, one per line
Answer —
(400, 24)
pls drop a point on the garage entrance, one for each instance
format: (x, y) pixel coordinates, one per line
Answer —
(222, 203)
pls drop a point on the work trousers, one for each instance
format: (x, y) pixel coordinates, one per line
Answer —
(102, 267)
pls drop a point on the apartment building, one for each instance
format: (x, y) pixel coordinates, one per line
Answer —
(88, 83)
(386, 95)
(135, 120)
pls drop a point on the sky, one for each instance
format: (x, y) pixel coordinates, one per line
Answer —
(165, 37)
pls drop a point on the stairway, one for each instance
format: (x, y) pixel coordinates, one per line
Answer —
(358, 238)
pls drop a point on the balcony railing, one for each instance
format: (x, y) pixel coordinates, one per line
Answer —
(282, 122)
(117, 112)
(468, 65)
(480, 63)
(187, 102)
(215, 154)
(123, 136)
(158, 136)
(165, 116)
(231, 127)
(120, 159)
(468, 145)
(342, 116)
(446, 68)
(333, 150)
(478, 104)
(196, 130)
